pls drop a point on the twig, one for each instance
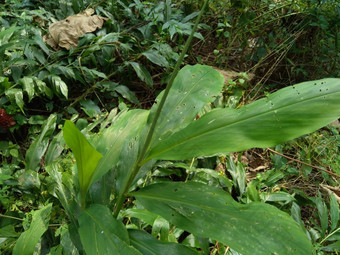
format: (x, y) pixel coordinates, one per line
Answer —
(94, 7)
(296, 160)
(10, 217)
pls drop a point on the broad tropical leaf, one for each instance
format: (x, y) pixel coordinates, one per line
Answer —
(101, 233)
(148, 245)
(193, 87)
(87, 157)
(28, 240)
(206, 211)
(282, 116)
(111, 141)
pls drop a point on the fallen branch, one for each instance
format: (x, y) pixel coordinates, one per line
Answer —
(296, 160)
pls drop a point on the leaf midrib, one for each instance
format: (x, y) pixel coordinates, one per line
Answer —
(230, 124)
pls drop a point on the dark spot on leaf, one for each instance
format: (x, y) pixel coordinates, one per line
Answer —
(175, 190)
(293, 87)
(172, 215)
(320, 90)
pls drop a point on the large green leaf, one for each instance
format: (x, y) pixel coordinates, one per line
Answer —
(87, 157)
(148, 245)
(28, 240)
(101, 233)
(282, 116)
(193, 87)
(206, 211)
(38, 148)
(111, 140)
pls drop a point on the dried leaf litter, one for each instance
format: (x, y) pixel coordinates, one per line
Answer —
(65, 33)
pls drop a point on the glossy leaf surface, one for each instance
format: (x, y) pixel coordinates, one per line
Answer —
(210, 212)
(110, 142)
(101, 233)
(282, 116)
(148, 245)
(193, 87)
(86, 156)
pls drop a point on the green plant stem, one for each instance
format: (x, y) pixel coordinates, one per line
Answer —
(328, 236)
(10, 217)
(147, 143)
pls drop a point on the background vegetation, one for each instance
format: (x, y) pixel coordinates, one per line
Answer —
(264, 46)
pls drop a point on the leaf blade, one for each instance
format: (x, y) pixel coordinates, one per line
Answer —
(194, 87)
(191, 206)
(86, 156)
(101, 233)
(282, 116)
(148, 245)
(26, 242)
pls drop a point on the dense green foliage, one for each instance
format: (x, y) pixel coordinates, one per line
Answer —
(93, 166)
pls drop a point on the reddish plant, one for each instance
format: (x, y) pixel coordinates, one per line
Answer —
(6, 120)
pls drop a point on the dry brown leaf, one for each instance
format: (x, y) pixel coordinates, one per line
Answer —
(65, 33)
(231, 74)
(332, 190)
